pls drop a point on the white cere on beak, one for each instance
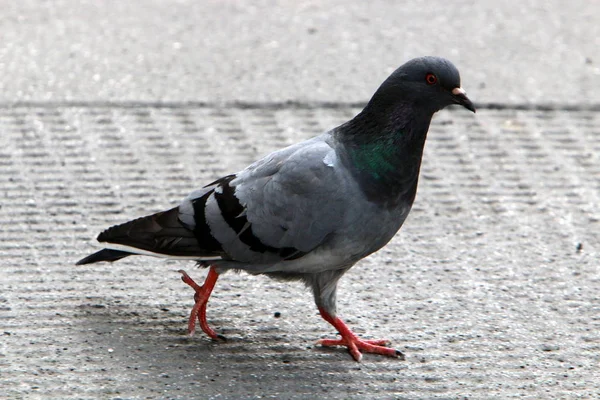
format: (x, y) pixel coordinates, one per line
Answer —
(459, 91)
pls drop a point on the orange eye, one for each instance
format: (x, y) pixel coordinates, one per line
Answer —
(430, 79)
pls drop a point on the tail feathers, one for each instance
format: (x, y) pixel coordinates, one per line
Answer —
(161, 234)
(109, 255)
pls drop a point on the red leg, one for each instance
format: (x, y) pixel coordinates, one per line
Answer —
(201, 298)
(353, 343)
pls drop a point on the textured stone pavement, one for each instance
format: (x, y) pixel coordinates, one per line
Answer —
(491, 288)
(112, 110)
(513, 51)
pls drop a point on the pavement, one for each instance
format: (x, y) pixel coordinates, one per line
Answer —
(110, 111)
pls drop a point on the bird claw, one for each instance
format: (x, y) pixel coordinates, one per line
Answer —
(189, 281)
(358, 346)
(220, 338)
(354, 344)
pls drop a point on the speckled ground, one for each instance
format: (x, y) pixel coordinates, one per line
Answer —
(513, 51)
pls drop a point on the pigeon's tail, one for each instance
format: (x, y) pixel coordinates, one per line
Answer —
(109, 255)
(161, 235)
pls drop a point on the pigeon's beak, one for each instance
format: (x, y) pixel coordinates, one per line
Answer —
(460, 97)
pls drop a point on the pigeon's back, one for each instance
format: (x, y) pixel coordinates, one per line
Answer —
(299, 209)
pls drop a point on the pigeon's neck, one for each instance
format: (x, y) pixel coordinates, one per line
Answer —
(384, 151)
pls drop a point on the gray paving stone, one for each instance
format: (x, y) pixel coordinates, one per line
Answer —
(513, 51)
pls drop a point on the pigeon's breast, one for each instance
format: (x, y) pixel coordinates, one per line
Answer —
(367, 228)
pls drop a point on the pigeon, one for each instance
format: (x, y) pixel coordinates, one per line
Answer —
(310, 211)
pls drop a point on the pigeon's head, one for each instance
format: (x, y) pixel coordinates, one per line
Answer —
(427, 83)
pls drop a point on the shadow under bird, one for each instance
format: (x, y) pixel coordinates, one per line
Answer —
(309, 211)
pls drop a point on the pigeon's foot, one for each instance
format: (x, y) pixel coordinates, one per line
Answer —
(201, 298)
(357, 346)
(354, 344)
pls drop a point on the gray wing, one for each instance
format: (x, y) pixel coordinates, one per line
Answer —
(279, 208)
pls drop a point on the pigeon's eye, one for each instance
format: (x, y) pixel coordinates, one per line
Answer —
(430, 79)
